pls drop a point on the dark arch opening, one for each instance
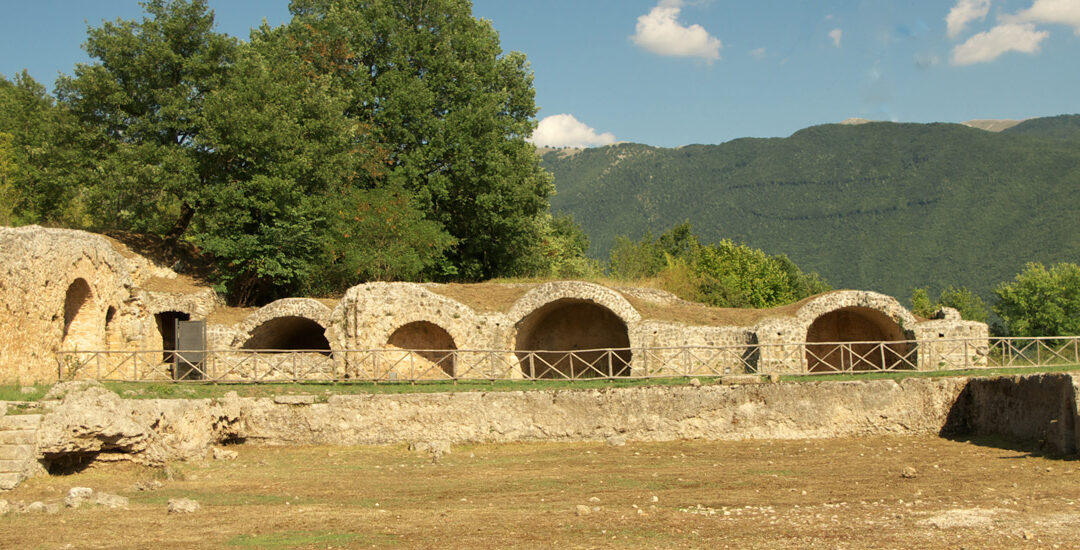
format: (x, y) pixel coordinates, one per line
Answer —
(427, 340)
(78, 294)
(572, 325)
(289, 333)
(166, 325)
(855, 324)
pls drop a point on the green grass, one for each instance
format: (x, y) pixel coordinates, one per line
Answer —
(14, 392)
(323, 390)
(899, 375)
(294, 539)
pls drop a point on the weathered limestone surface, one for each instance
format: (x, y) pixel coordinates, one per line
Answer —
(92, 423)
(1037, 411)
(372, 312)
(38, 269)
(781, 411)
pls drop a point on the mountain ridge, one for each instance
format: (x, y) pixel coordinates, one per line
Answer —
(879, 205)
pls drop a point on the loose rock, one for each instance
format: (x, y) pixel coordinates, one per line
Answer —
(616, 441)
(224, 454)
(695, 382)
(151, 485)
(182, 506)
(909, 473)
(5, 508)
(583, 510)
(77, 496)
(111, 501)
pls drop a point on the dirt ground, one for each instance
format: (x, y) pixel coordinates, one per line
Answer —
(835, 493)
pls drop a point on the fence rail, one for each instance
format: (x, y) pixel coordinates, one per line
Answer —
(385, 365)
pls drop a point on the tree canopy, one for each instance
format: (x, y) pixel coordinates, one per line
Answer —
(1041, 301)
(382, 140)
(724, 274)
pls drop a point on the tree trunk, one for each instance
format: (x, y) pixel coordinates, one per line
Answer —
(181, 225)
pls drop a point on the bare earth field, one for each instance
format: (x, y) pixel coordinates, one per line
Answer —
(835, 493)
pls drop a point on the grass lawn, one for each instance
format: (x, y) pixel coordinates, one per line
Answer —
(322, 390)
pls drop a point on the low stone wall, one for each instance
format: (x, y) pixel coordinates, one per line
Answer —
(1039, 412)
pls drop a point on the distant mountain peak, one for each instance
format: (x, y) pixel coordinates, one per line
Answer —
(855, 121)
(992, 125)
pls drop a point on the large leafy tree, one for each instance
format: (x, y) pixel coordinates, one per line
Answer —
(45, 156)
(145, 96)
(1041, 301)
(450, 111)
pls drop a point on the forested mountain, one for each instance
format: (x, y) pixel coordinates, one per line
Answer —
(880, 206)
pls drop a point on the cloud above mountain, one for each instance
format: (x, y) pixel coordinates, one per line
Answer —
(564, 130)
(661, 32)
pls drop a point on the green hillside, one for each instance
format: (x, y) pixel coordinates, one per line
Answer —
(878, 206)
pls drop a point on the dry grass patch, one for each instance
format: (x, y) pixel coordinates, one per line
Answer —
(685, 494)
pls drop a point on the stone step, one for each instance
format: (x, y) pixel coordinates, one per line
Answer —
(12, 466)
(9, 481)
(18, 437)
(16, 452)
(20, 421)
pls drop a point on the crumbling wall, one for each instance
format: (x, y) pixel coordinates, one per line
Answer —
(1038, 412)
(38, 267)
(72, 290)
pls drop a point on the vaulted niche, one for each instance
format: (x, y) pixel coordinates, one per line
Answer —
(75, 301)
(166, 325)
(427, 340)
(289, 333)
(855, 324)
(84, 328)
(572, 325)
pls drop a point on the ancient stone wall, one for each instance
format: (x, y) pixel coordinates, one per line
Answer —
(83, 422)
(72, 290)
(63, 289)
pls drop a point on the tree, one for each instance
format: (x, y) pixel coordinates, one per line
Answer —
(725, 274)
(561, 250)
(8, 194)
(1041, 301)
(144, 96)
(970, 306)
(451, 111)
(46, 157)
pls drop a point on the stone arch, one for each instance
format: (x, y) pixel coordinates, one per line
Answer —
(859, 317)
(289, 333)
(80, 324)
(428, 340)
(371, 312)
(573, 325)
(287, 324)
(575, 290)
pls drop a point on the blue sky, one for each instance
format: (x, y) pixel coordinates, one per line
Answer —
(675, 72)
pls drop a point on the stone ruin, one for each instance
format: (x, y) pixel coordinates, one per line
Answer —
(72, 291)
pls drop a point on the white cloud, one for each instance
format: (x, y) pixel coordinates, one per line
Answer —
(837, 36)
(964, 12)
(660, 32)
(566, 131)
(758, 53)
(1063, 12)
(989, 45)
